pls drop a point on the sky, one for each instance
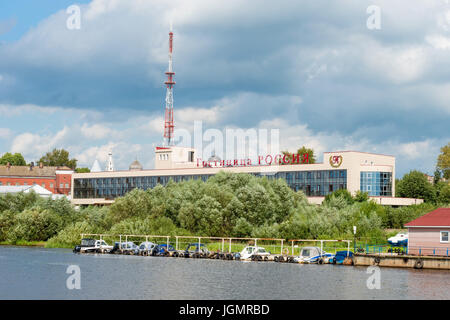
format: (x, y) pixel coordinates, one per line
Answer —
(312, 69)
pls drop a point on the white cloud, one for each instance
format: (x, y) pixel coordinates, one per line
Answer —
(32, 145)
(397, 64)
(415, 150)
(438, 41)
(96, 131)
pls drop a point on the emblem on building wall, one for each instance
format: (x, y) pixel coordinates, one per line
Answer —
(335, 161)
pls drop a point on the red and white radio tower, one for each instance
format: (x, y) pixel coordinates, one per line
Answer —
(168, 122)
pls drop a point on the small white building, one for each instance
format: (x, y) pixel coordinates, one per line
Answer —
(40, 191)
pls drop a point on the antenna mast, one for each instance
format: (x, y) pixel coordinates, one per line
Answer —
(168, 122)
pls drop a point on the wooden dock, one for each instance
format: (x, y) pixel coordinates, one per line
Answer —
(401, 261)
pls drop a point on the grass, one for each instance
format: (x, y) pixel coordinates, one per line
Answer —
(58, 245)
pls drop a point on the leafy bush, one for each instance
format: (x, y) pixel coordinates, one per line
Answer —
(70, 236)
(35, 224)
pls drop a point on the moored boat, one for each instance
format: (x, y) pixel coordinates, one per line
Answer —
(313, 255)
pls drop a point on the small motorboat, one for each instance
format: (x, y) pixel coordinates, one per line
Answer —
(400, 239)
(91, 245)
(341, 256)
(313, 255)
(250, 251)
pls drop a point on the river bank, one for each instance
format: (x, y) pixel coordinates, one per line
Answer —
(23, 243)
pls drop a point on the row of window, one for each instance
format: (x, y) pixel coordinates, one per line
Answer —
(312, 183)
(376, 183)
(61, 185)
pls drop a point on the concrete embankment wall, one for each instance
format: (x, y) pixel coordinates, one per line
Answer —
(402, 261)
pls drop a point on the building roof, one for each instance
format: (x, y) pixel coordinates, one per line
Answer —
(437, 218)
(16, 189)
(135, 165)
(96, 167)
(26, 171)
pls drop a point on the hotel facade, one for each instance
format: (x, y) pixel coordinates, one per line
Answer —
(350, 170)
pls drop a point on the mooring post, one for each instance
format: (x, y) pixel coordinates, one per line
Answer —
(321, 247)
(176, 243)
(223, 244)
(230, 245)
(199, 244)
(281, 247)
(292, 247)
(167, 243)
(256, 243)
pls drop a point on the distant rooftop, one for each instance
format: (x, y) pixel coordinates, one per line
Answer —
(27, 171)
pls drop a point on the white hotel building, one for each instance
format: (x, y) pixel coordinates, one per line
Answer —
(351, 170)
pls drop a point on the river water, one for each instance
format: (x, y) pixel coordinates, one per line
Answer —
(38, 273)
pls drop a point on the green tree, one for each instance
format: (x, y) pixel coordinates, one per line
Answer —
(58, 158)
(415, 185)
(344, 193)
(437, 176)
(443, 161)
(35, 224)
(361, 196)
(303, 150)
(15, 159)
(443, 190)
(136, 203)
(82, 170)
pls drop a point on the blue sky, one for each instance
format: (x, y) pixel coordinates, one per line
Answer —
(309, 68)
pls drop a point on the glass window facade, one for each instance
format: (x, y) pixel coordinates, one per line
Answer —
(312, 183)
(376, 183)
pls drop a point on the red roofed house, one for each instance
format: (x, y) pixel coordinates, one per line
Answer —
(429, 234)
(57, 180)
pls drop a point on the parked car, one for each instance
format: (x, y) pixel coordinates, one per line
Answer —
(400, 239)
(145, 248)
(91, 245)
(250, 252)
